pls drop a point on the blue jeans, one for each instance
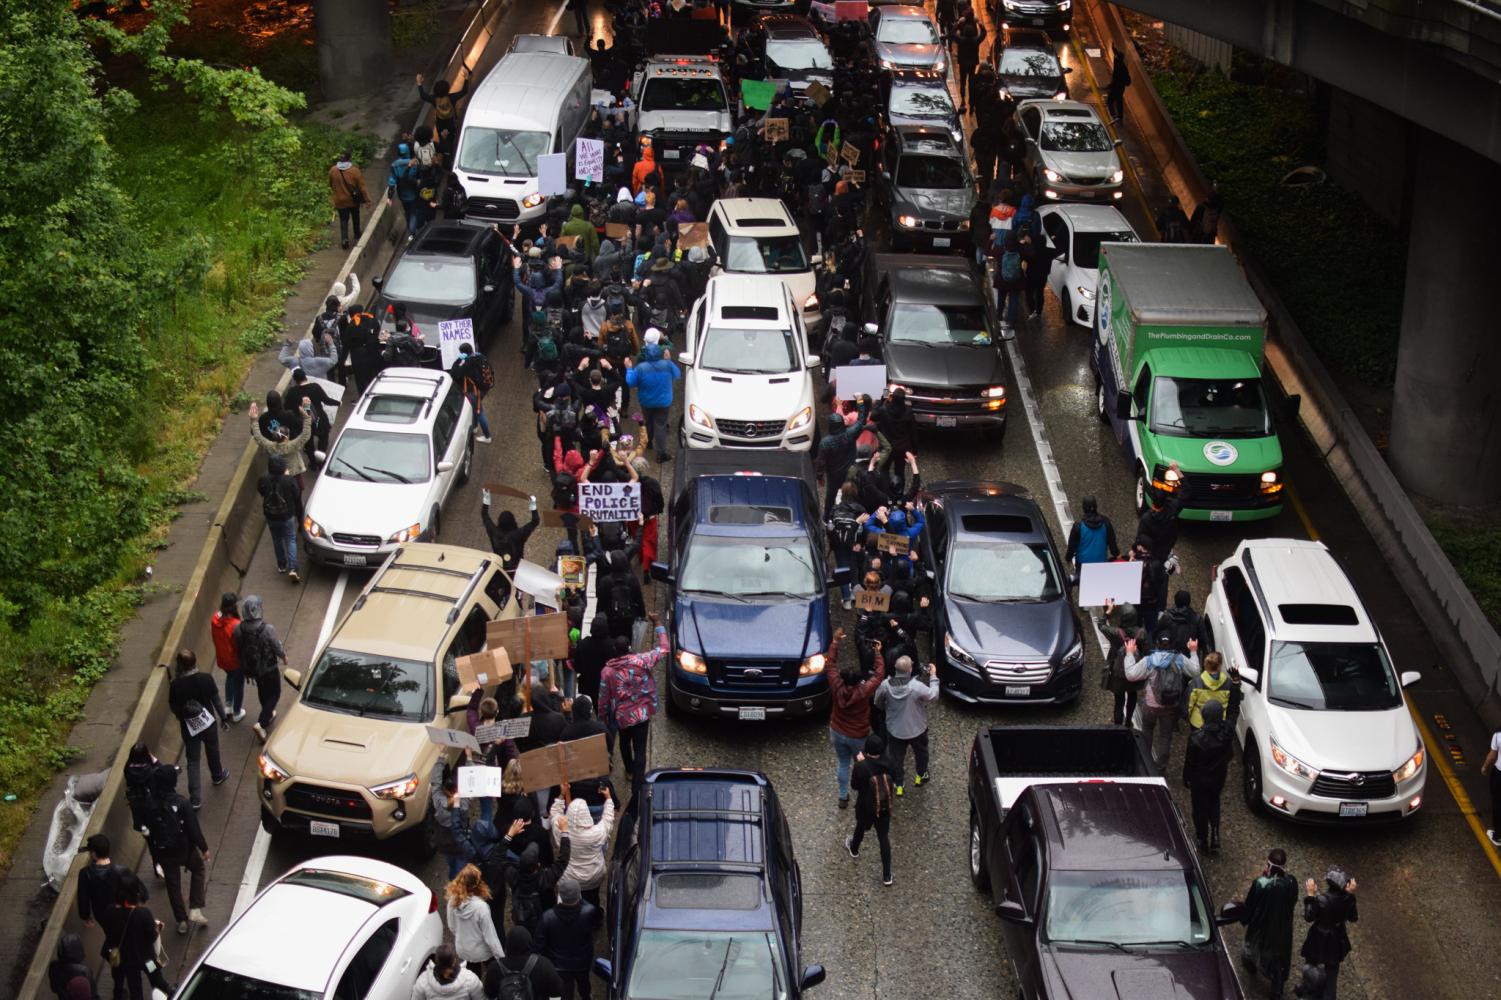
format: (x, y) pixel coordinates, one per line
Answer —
(284, 542)
(234, 690)
(845, 748)
(845, 559)
(1009, 303)
(479, 413)
(413, 212)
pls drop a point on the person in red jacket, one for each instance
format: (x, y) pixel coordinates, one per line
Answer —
(227, 654)
(849, 719)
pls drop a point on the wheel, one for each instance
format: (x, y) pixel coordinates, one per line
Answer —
(1100, 408)
(673, 711)
(422, 839)
(467, 465)
(269, 824)
(1250, 776)
(1141, 491)
(1067, 305)
(435, 525)
(977, 872)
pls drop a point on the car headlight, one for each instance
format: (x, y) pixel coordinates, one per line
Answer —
(271, 770)
(1166, 480)
(811, 302)
(1062, 95)
(1005, 94)
(802, 418)
(894, 386)
(907, 221)
(812, 665)
(957, 653)
(1291, 764)
(692, 662)
(699, 417)
(940, 66)
(401, 788)
(1085, 292)
(1075, 655)
(964, 226)
(1051, 174)
(1271, 476)
(1271, 481)
(1011, 4)
(887, 64)
(1413, 766)
(994, 392)
(312, 528)
(1065, 5)
(532, 200)
(1117, 177)
(407, 534)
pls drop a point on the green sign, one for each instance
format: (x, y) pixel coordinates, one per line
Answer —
(757, 94)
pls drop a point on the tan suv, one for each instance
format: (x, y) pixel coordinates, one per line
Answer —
(351, 757)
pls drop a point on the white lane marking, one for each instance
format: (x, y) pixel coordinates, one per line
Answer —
(557, 19)
(254, 865)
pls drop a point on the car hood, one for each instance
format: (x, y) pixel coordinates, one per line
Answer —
(1019, 631)
(908, 55)
(949, 367)
(678, 120)
(1345, 741)
(723, 628)
(1252, 455)
(311, 743)
(425, 316)
(1082, 164)
(355, 507)
(1090, 974)
(1023, 87)
(937, 201)
(748, 397)
(798, 79)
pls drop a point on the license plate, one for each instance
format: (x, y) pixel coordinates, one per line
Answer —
(948, 421)
(1353, 810)
(1018, 691)
(1038, 22)
(670, 154)
(354, 560)
(1221, 515)
(318, 828)
(941, 241)
(752, 713)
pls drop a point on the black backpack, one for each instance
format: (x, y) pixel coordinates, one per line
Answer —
(526, 906)
(652, 501)
(1167, 685)
(565, 491)
(618, 342)
(844, 530)
(256, 654)
(153, 814)
(517, 985)
(275, 505)
(621, 606)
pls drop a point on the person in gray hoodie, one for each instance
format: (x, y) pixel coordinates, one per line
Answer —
(905, 700)
(1167, 674)
(475, 940)
(260, 652)
(447, 979)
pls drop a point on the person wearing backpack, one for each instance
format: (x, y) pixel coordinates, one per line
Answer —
(874, 789)
(191, 696)
(170, 825)
(98, 886)
(522, 974)
(260, 651)
(1211, 686)
(1167, 673)
(227, 656)
(134, 948)
(628, 697)
(619, 596)
(476, 377)
(846, 529)
(68, 974)
(1091, 539)
(1206, 761)
(281, 503)
(1117, 624)
(566, 936)
(533, 883)
(447, 979)
(1182, 621)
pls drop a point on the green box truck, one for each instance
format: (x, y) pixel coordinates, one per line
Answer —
(1177, 362)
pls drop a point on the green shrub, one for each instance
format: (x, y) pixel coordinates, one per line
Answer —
(1475, 551)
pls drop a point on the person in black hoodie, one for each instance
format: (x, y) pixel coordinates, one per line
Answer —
(191, 696)
(136, 932)
(619, 595)
(1205, 763)
(1328, 913)
(533, 883)
(98, 886)
(281, 503)
(871, 781)
(566, 936)
(507, 539)
(66, 970)
(589, 657)
(520, 958)
(898, 425)
(303, 390)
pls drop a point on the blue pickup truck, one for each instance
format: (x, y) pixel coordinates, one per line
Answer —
(748, 586)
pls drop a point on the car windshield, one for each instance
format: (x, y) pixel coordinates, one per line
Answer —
(933, 172)
(746, 567)
(798, 53)
(502, 151)
(1003, 571)
(765, 254)
(1029, 62)
(209, 983)
(683, 94)
(1126, 908)
(367, 684)
(692, 965)
(1334, 676)
(380, 457)
(1209, 408)
(1087, 246)
(1076, 137)
(906, 31)
(748, 352)
(440, 282)
(921, 102)
(924, 324)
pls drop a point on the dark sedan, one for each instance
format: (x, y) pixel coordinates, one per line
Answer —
(1009, 633)
(450, 271)
(1027, 66)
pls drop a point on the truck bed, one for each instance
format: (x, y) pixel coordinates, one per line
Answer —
(693, 462)
(1014, 757)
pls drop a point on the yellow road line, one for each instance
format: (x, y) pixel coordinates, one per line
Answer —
(1302, 512)
(1094, 88)
(1437, 756)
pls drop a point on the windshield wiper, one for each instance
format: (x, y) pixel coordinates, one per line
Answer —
(1107, 944)
(1292, 703)
(713, 593)
(1162, 944)
(355, 469)
(394, 475)
(524, 161)
(719, 979)
(776, 593)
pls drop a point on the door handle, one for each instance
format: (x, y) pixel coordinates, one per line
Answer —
(407, 964)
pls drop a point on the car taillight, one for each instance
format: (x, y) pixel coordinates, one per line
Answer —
(432, 901)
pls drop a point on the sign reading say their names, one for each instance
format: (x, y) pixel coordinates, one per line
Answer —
(452, 333)
(589, 160)
(610, 501)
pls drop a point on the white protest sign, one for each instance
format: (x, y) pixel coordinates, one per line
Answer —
(854, 381)
(480, 782)
(611, 501)
(589, 160)
(552, 173)
(1116, 581)
(456, 738)
(539, 581)
(452, 333)
(518, 728)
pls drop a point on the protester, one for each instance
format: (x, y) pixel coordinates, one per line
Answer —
(1488, 767)
(590, 655)
(1172, 222)
(281, 503)
(905, 699)
(346, 185)
(475, 940)
(170, 825)
(522, 971)
(1327, 914)
(1206, 761)
(507, 538)
(1091, 539)
(1211, 686)
(476, 378)
(447, 979)
(652, 379)
(1167, 674)
(190, 696)
(132, 951)
(837, 451)
(98, 888)
(849, 717)
(227, 655)
(873, 798)
(586, 865)
(68, 975)
(445, 102)
(404, 184)
(628, 697)
(285, 445)
(1115, 93)
(260, 651)
(533, 882)
(1118, 623)
(1268, 918)
(566, 936)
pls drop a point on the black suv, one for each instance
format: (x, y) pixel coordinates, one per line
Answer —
(451, 270)
(705, 896)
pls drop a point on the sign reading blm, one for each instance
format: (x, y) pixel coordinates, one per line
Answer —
(610, 501)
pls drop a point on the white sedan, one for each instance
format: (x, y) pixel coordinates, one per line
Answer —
(1076, 232)
(331, 927)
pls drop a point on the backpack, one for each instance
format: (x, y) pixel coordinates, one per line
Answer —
(547, 348)
(1167, 684)
(633, 703)
(1185, 626)
(845, 531)
(614, 299)
(158, 820)
(565, 491)
(516, 985)
(526, 906)
(880, 784)
(275, 505)
(256, 654)
(618, 342)
(1011, 266)
(621, 606)
(328, 326)
(1092, 548)
(485, 374)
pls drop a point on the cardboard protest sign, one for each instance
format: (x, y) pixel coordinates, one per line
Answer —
(571, 761)
(1119, 582)
(757, 94)
(777, 130)
(850, 153)
(854, 381)
(571, 569)
(617, 230)
(508, 491)
(589, 160)
(565, 519)
(552, 173)
(530, 637)
(488, 732)
(539, 581)
(480, 670)
(692, 234)
(480, 782)
(566, 242)
(818, 93)
(452, 333)
(610, 501)
(854, 176)
(897, 545)
(872, 600)
(850, 10)
(457, 739)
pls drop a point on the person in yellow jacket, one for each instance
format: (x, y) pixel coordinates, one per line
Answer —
(1212, 684)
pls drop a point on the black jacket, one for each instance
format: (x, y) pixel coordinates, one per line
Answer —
(871, 781)
(135, 936)
(283, 486)
(196, 687)
(97, 886)
(566, 936)
(509, 545)
(1328, 942)
(542, 883)
(543, 975)
(1207, 758)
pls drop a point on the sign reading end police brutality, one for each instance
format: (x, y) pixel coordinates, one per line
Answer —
(610, 501)
(452, 333)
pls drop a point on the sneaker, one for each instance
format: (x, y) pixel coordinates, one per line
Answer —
(195, 915)
(222, 777)
(887, 879)
(483, 438)
(664, 458)
(182, 927)
(238, 716)
(260, 733)
(196, 805)
(844, 802)
(1033, 316)
(281, 569)
(918, 781)
(899, 791)
(849, 604)
(344, 244)
(292, 575)
(849, 845)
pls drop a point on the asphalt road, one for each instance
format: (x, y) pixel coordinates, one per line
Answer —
(1428, 892)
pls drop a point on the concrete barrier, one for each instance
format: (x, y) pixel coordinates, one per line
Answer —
(1463, 633)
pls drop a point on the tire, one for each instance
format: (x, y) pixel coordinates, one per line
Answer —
(422, 840)
(673, 711)
(435, 525)
(467, 465)
(269, 823)
(1142, 503)
(1250, 776)
(1100, 410)
(978, 874)
(1066, 303)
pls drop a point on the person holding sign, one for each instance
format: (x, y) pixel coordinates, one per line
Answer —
(476, 378)
(836, 452)
(579, 225)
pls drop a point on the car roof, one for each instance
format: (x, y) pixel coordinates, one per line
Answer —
(767, 216)
(1194, 362)
(789, 26)
(1065, 110)
(1183, 283)
(524, 88)
(1089, 218)
(412, 601)
(718, 492)
(1111, 826)
(750, 292)
(400, 400)
(929, 279)
(928, 140)
(447, 237)
(1013, 518)
(1027, 38)
(925, 79)
(311, 928)
(1294, 572)
(904, 12)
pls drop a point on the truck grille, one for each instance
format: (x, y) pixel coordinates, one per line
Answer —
(370, 540)
(493, 208)
(675, 149)
(751, 428)
(1022, 672)
(1215, 490)
(767, 675)
(1363, 785)
(933, 399)
(327, 801)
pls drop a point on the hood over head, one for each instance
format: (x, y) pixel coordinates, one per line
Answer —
(576, 212)
(653, 352)
(251, 609)
(70, 948)
(578, 816)
(518, 942)
(276, 465)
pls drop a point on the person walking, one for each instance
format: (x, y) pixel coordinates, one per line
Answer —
(281, 503)
(1115, 93)
(445, 101)
(838, 450)
(1328, 913)
(507, 538)
(260, 652)
(285, 444)
(190, 696)
(522, 971)
(68, 974)
(475, 940)
(1167, 674)
(476, 377)
(1268, 918)
(578, 224)
(1206, 761)
(566, 937)
(571, 816)
(170, 825)
(227, 656)
(1118, 624)
(849, 716)
(1488, 767)
(404, 183)
(1173, 223)
(628, 697)
(1211, 687)
(968, 35)
(346, 185)
(905, 699)
(873, 798)
(532, 881)
(1182, 621)
(652, 379)
(1091, 539)
(447, 979)
(98, 888)
(133, 950)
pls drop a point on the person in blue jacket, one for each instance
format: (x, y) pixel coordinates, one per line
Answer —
(404, 182)
(652, 379)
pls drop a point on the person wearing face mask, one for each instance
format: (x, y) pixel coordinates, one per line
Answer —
(1268, 918)
(1327, 914)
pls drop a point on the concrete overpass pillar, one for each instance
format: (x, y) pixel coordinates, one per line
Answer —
(1446, 414)
(354, 46)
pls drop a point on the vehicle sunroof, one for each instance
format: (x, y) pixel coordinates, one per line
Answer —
(1000, 524)
(744, 514)
(370, 890)
(748, 312)
(1318, 614)
(780, 223)
(708, 891)
(394, 409)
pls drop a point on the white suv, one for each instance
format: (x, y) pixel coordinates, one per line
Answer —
(759, 236)
(749, 381)
(1324, 728)
(405, 447)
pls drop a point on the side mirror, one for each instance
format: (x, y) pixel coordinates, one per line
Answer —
(1011, 911)
(842, 575)
(930, 574)
(1408, 678)
(816, 259)
(661, 571)
(1249, 675)
(377, 281)
(1231, 913)
(603, 969)
(445, 466)
(489, 289)
(685, 357)
(1291, 406)
(812, 976)
(1119, 143)
(1123, 405)
(320, 457)
(1068, 69)
(814, 361)
(458, 703)
(294, 677)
